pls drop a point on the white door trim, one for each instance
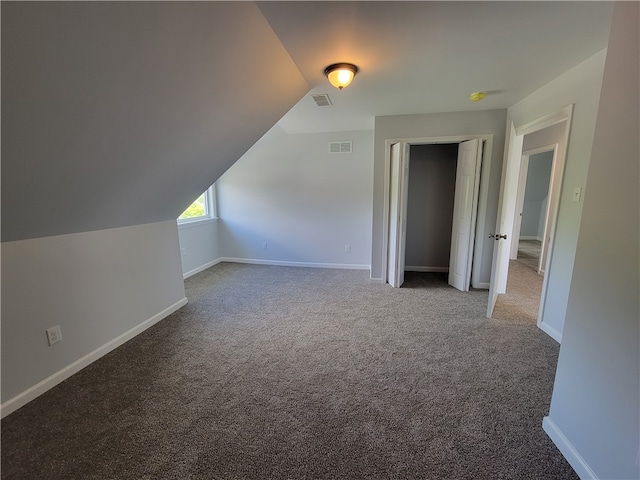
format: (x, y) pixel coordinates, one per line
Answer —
(481, 200)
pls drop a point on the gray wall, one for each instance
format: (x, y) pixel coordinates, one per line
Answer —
(536, 195)
(96, 285)
(306, 204)
(198, 246)
(432, 180)
(594, 408)
(435, 125)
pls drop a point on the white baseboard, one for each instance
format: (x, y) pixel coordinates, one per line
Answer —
(427, 269)
(552, 332)
(38, 389)
(568, 450)
(529, 237)
(482, 285)
(282, 263)
(376, 280)
(200, 268)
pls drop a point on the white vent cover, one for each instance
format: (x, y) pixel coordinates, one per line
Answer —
(322, 100)
(341, 147)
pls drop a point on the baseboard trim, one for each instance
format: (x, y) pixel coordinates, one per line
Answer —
(200, 268)
(530, 237)
(482, 285)
(48, 383)
(283, 263)
(427, 269)
(568, 450)
(552, 332)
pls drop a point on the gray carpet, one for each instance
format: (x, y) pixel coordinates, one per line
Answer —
(296, 373)
(529, 253)
(522, 300)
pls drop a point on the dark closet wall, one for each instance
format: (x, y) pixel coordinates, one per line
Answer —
(432, 178)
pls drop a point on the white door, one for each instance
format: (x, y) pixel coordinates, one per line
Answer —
(504, 221)
(464, 213)
(398, 213)
(517, 220)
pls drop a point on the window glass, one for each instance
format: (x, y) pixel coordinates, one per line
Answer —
(198, 209)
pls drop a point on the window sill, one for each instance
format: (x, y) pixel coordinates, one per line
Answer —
(195, 223)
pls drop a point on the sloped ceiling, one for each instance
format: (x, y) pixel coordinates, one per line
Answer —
(121, 113)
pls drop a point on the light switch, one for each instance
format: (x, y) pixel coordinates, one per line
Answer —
(577, 194)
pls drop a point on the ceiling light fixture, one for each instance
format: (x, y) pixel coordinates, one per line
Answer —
(340, 74)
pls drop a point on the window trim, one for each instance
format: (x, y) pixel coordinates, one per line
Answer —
(210, 208)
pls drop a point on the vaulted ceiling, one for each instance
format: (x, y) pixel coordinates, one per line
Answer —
(120, 113)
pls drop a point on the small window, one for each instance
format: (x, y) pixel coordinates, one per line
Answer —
(203, 208)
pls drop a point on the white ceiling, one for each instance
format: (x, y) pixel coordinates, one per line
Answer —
(425, 57)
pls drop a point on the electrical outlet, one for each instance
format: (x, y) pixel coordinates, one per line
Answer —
(54, 335)
(347, 249)
(264, 245)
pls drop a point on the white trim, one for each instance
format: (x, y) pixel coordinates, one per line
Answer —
(529, 237)
(568, 450)
(546, 121)
(38, 389)
(376, 280)
(427, 269)
(481, 286)
(481, 199)
(210, 206)
(552, 332)
(200, 268)
(283, 263)
(545, 149)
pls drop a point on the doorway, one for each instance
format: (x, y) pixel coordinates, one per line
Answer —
(558, 124)
(531, 222)
(432, 181)
(456, 233)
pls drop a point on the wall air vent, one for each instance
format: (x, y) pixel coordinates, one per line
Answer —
(322, 100)
(341, 147)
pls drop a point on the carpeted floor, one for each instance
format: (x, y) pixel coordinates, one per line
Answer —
(296, 373)
(529, 253)
(522, 300)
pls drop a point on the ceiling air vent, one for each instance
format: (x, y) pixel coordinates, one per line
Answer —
(341, 147)
(322, 100)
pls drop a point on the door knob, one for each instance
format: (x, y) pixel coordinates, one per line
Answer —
(497, 236)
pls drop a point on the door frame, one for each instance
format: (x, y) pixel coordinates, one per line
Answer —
(481, 199)
(514, 154)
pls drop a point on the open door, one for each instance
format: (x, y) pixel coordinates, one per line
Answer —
(464, 213)
(504, 222)
(517, 220)
(398, 213)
